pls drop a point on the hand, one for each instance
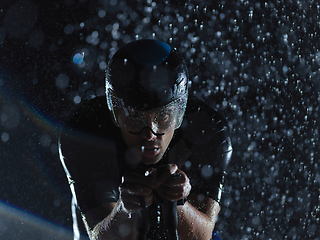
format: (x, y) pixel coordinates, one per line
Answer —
(136, 191)
(175, 184)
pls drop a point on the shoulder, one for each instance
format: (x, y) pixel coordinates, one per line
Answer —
(92, 119)
(205, 132)
(201, 121)
(91, 114)
(204, 144)
(90, 132)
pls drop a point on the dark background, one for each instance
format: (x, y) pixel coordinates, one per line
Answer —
(256, 62)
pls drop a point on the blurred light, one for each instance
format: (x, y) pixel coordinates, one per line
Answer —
(77, 99)
(62, 81)
(5, 137)
(78, 58)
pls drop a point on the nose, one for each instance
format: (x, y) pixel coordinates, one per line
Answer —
(148, 135)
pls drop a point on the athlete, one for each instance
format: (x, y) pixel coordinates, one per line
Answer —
(146, 161)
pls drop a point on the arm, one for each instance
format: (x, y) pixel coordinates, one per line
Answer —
(196, 221)
(118, 224)
(197, 218)
(197, 215)
(121, 217)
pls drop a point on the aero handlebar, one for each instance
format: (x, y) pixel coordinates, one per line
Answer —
(169, 211)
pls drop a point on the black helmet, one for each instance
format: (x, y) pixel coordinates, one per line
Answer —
(146, 75)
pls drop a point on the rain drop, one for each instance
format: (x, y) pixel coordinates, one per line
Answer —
(5, 137)
(78, 58)
(206, 171)
(62, 81)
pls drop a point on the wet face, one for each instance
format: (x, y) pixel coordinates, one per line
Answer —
(146, 146)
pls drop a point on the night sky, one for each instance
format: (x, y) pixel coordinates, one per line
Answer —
(255, 62)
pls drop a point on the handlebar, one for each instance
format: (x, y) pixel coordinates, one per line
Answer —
(169, 211)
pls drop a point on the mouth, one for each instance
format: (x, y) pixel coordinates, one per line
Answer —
(149, 151)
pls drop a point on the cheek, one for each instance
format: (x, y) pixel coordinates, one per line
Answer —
(129, 139)
(167, 139)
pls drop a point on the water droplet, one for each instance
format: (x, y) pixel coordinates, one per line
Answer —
(187, 164)
(69, 29)
(78, 58)
(207, 171)
(62, 81)
(77, 99)
(5, 137)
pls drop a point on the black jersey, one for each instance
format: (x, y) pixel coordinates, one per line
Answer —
(94, 154)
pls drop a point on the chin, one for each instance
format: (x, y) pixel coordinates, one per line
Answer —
(152, 160)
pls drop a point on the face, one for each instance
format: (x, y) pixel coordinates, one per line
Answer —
(161, 120)
(147, 146)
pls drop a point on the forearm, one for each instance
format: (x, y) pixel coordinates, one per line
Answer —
(195, 224)
(118, 225)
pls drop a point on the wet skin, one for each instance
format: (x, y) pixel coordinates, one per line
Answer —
(136, 191)
(149, 148)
